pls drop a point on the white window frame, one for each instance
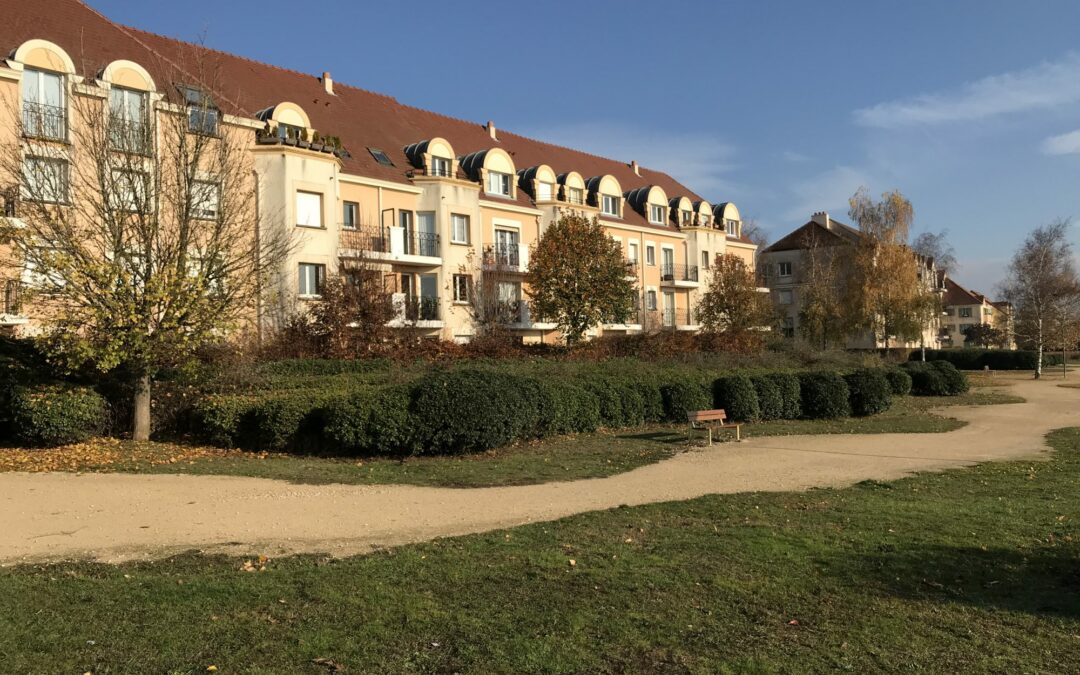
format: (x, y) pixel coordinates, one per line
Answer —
(455, 220)
(350, 207)
(461, 288)
(499, 184)
(650, 255)
(632, 251)
(440, 166)
(657, 214)
(205, 199)
(131, 202)
(609, 205)
(304, 212)
(651, 300)
(41, 75)
(575, 195)
(784, 269)
(63, 181)
(545, 191)
(319, 271)
(705, 262)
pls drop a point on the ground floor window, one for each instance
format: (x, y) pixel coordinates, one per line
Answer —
(312, 277)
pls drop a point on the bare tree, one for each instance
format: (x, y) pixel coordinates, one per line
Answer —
(936, 246)
(821, 284)
(1042, 286)
(137, 222)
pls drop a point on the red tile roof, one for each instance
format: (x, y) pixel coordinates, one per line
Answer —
(955, 294)
(359, 117)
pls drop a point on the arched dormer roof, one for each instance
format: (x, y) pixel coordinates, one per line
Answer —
(681, 204)
(435, 147)
(606, 184)
(542, 173)
(571, 179)
(286, 113)
(492, 159)
(129, 75)
(726, 211)
(44, 55)
(640, 198)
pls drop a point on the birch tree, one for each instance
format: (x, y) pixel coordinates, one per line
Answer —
(1041, 285)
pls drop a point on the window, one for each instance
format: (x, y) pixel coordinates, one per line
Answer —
(789, 327)
(609, 205)
(656, 214)
(575, 196)
(128, 128)
(290, 131)
(129, 190)
(461, 288)
(965, 312)
(309, 209)
(685, 217)
(632, 254)
(498, 183)
(311, 280)
(440, 166)
(205, 198)
(45, 179)
(44, 114)
(544, 191)
(784, 269)
(669, 308)
(949, 311)
(705, 219)
(732, 227)
(427, 238)
(459, 229)
(650, 300)
(705, 260)
(380, 157)
(350, 215)
(650, 255)
(202, 113)
(785, 297)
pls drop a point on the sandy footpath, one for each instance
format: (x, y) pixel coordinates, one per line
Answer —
(114, 517)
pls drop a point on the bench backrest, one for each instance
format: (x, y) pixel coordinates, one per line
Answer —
(706, 416)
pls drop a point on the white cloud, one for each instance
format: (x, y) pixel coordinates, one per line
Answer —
(1065, 144)
(1046, 85)
(699, 161)
(828, 191)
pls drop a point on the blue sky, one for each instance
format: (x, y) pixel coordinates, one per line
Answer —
(970, 107)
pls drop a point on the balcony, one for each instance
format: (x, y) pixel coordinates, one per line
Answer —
(44, 121)
(411, 311)
(512, 258)
(436, 172)
(677, 274)
(516, 315)
(391, 244)
(130, 136)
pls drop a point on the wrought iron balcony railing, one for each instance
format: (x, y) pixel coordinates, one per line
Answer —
(421, 308)
(502, 255)
(12, 296)
(42, 120)
(131, 136)
(678, 272)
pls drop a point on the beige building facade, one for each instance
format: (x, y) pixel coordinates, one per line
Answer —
(356, 179)
(965, 309)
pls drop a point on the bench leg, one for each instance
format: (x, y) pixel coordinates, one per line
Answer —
(738, 434)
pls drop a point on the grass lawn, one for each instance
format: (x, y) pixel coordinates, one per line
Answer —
(569, 458)
(973, 570)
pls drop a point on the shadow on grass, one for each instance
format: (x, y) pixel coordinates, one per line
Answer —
(665, 436)
(1043, 581)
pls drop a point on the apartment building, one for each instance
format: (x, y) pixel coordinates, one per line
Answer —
(359, 179)
(966, 308)
(784, 267)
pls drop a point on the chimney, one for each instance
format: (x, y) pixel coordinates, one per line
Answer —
(822, 218)
(328, 83)
(491, 131)
(635, 167)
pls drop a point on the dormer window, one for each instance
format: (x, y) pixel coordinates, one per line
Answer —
(575, 196)
(686, 217)
(202, 113)
(609, 205)
(440, 166)
(732, 228)
(43, 111)
(544, 191)
(498, 184)
(657, 214)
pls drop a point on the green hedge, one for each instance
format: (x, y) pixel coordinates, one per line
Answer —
(824, 395)
(738, 397)
(899, 381)
(217, 418)
(770, 398)
(371, 422)
(50, 415)
(996, 359)
(683, 397)
(791, 393)
(955, 381)
(935, 378)
(565, 408)
(868, 391)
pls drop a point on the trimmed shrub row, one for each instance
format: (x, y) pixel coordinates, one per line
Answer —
(471, 410)
(996, 359)
(58, 414)
(935, 378)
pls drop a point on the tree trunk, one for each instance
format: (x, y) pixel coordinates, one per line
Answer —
(1039, 353)
(141, 428)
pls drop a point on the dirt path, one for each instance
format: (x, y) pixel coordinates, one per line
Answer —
(113, 517)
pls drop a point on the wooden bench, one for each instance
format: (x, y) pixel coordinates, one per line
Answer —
(707, 420)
